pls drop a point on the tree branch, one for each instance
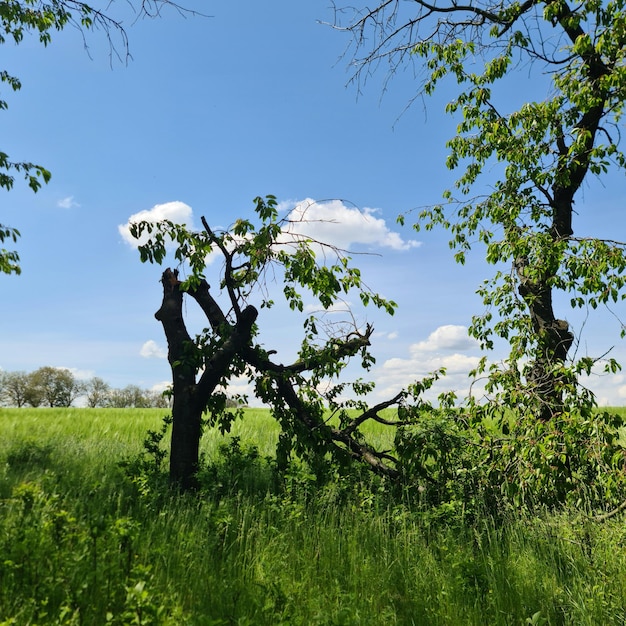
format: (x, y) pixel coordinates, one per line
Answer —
(228, 272)
(217, 365)
(356, 449)
(339, 349)
(209, 306)
(178, 340)
(372, 413)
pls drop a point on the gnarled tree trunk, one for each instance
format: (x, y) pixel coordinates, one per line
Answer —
(191, 396)
(554, 340)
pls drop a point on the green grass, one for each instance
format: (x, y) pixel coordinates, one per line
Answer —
(82, 543)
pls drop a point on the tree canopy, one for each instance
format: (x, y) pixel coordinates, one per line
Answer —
(522, 164)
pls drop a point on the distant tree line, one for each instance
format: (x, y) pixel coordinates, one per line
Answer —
(58, 387)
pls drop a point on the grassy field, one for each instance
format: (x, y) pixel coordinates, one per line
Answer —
(82, 542)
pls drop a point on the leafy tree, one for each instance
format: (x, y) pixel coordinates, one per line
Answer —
(122, 398)
(97, 392)
(533, 160)
(157, 399)
(133, 396)
(203, 366)
(14, 389)
(43, 18)
(34, 392)
(130, 396)
(56, 387)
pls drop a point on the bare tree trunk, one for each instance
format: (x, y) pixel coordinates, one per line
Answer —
(185, 414)
(185, 444)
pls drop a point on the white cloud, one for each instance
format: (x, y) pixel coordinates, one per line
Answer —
(80, 374)
(161, 386)
(177, 212)
(446, 347)
(152, 350)
(420, 365)
(341, 306)
(447, 337)
(67, 203)
(336, 224)
(609, 389)
(450, 347)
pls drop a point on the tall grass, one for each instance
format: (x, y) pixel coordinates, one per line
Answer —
(82, 543)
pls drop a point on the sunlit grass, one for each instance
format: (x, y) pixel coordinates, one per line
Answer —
(80, 543)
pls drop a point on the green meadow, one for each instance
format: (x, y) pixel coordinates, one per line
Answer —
(90, 536)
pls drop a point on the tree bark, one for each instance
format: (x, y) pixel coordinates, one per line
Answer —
(554, 340)
(186, 424)
(191, 397)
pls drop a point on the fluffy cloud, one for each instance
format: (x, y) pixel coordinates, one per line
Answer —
(446, 347)
(609, 389)
(336, 224)
(448, 337)
(341, 306)
(450, 347)
(160, 387)
(332, 223)
(80, 374)
(177, 212)
(152, 350)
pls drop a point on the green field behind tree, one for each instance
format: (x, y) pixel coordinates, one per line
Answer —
(88, 535)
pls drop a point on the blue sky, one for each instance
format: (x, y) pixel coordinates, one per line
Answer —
(208, 114)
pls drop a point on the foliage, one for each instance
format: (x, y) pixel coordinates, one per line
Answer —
(522, 164)
(14, 388)
(96, 392)
(457, 464)
(43, 18)
(65, 557)
(9, 259)
(133, 396)
(82, 545)
(58, 387)
(53, 386)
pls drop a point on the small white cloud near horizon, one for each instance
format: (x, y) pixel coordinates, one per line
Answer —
(68, 203)
(342, 226)
(152, 350)
(448, 346)
(80, 374)
(177, 212)
(161, 386)
(609, 389)
(341, 306)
